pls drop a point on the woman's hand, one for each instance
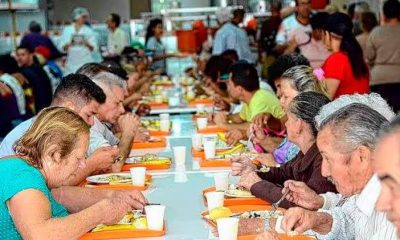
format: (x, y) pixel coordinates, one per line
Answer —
(259, 135)
(133, 197)
(248, 180)
(234, 136)
(242, 165)
(268, 235)
(115, 209)
(261, 120)
(266, 159)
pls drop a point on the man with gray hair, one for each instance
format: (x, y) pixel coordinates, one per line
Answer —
(113, 126)
(348, 128)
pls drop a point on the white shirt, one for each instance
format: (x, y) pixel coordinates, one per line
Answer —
(17, 89)
(6, 146)
(78, 55)
(287, 26)
(100, 136)
(357, 217)
(230, 36)
(117, 41)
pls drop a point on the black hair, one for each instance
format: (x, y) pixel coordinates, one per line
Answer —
(391, 9)
(116, 19)
(231, 55)
(306, 107)
(318, 20)
(35, 27)
(150, 28)
(239, 12)
(341, 25)
(8, 64)
(217, 66)
(116, 69)
(245, 75)
(368, 21)
(79, 88)
(283, 63)
(22, 47)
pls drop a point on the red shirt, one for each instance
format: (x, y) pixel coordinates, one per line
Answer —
(338, 66)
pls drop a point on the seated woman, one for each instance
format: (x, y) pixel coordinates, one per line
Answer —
(48, 154)
(294, 81)
(306, 167)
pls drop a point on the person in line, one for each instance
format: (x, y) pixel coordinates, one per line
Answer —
(35, 38)
(299, 20)
(47, 155)
(79, 41)
(383, 55)
(36, 76)
(306, 167)
(231, 36)
(346, 71)
(117, 39)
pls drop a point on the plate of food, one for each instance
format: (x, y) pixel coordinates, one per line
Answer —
(235, 191)
(148, 159)
(129, 221)
(110, 178)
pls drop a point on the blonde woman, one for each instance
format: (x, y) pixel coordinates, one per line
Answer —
(47, 155)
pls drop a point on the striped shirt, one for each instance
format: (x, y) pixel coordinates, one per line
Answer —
(357, 218)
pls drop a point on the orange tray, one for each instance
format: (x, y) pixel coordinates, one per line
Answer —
(162, 143)
(117, 186)
(211, 129)
(159, 133)
(201, 101)
(236, 201)
(281, 237)
(204, 163)
(157, 105)
(127, 166)
(117, 234)
(201, 154)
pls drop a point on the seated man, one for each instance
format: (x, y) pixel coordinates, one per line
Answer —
(386, 164)
(36, 76)
(78, 93)
(243, 84)
(112, 125)
(347, 135)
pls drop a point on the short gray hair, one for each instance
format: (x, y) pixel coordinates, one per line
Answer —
(108, 80)
(373, 100)
(390, 127)
(353, 126)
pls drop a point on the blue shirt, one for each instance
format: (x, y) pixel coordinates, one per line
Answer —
(17, 176)
(158, 49)
(230, 36)
(6, 146)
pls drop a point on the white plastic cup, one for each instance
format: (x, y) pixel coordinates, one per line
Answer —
(200, 108)
(155, 217)
(197, 141)
(202, 123)
(214, 200)
(164, 116)
(221, 181)
(138, 175)
(228, 228)
(165, 125)
(158, 99)
(209, 149)
(179, 155)
(173, 101)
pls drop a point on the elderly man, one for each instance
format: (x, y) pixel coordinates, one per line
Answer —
(386, 165)
(346, 139)
(78, 93)
(112, 125)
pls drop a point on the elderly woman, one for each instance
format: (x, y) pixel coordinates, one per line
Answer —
(305, 167)
(48, 154)
(295, 80)
(347, 137)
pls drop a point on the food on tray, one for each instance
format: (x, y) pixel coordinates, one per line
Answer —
(128, 222)
(236, 191)
(112, 179)
(151, 159)
(266, 214)
(219, 212)
(152, 124)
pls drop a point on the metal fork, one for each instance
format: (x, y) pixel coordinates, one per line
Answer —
(276, 204)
